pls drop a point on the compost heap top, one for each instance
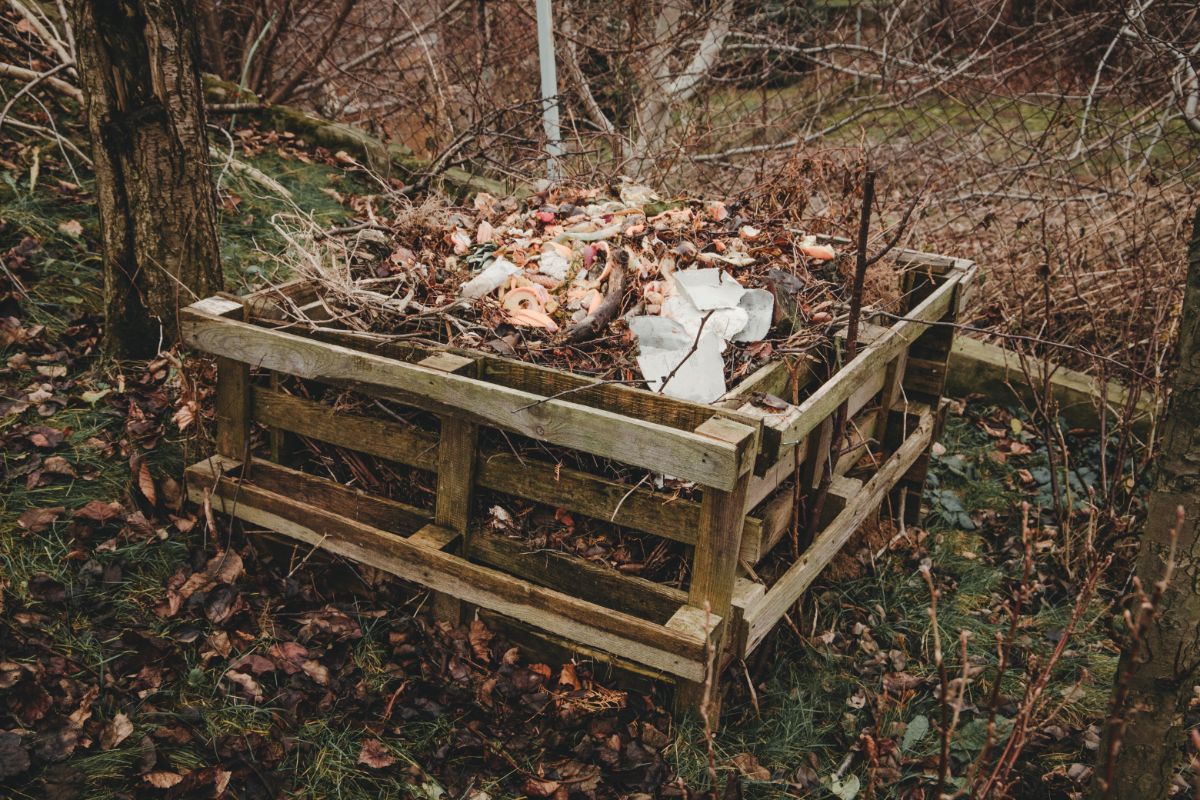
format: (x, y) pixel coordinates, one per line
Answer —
(688, 296)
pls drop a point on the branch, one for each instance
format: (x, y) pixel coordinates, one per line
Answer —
(39, 27)
(398, 40)
(59, 85)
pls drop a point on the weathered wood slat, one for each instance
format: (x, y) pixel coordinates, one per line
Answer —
(527, 477)
(762, 616)
(678, 651)
(547, 381)
(566, 573)
(869, 364)
(705, 460)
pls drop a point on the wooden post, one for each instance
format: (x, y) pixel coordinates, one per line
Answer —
(715, 565)
(233, 409)
(457, 446)
(924, 366)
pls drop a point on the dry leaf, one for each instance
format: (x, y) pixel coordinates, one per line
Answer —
(748, 766)
(375, 755)
(59, 466)
(118, 729)
(98, 511)
(145, 482)
(248, 684)
(481, 640)
(36, 520)
(162, 780)
(71, 228)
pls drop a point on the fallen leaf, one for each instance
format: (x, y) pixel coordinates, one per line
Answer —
(71, 228)
(481, 640)
(749, 767)
(118, 729)
(36, 520)
(375, 755)
(568, 678)
(98, 511)
(316, 670)
(145, 482)
(248, 684)
(162, 779)
(59, 466)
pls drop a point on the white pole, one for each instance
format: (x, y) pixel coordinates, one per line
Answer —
(545, 29)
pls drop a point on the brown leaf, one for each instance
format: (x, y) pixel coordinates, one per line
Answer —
(71, 227)
(118, 729)
(98, 511)
(568, 678)
(172, 494)
(248, 684)
(162, 779)
(224, 567)
(290, 656)
(535, 787)
(375, 755)
(255, 663)
(145, 483)
(481, 640)
(316, 670)
(748, 766)
(36, 520)
(330, 620)
(58, 465)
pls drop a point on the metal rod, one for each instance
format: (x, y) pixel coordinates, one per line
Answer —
(545, 29)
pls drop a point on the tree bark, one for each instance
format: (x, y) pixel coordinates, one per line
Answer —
(143, 100)
(1160, 675)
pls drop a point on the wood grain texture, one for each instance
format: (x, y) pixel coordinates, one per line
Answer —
(823, 402)
(233, 408)
(527, 477)
(595, 583)
(679, 652)
(456, 474)
(685, 454)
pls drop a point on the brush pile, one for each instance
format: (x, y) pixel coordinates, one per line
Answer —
(681, 296)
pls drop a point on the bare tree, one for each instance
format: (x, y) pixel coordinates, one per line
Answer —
(1156, 677)
(143, 99)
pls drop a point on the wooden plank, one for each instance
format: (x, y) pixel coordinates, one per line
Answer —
(629, 401)
(685, 454)
(545, 381)
(527, 477)
(980, 367)
(378, 512)
(233, 408)
(762, 616)
(456, 474)
(383, 438)
(714, 565)
(817, 407)
(679, 652)
(595, 583)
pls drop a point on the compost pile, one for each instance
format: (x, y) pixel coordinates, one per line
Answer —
(684, 297)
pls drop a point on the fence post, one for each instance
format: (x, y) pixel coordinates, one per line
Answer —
(545, 31)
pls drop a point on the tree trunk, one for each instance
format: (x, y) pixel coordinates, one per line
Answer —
(1159, 678)
(143, 101)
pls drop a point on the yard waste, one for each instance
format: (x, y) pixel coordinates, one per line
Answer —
(681, 296)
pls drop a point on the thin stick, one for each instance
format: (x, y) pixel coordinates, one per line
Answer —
(690, 353)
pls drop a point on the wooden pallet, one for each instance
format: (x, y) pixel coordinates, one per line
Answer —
(739, 453)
